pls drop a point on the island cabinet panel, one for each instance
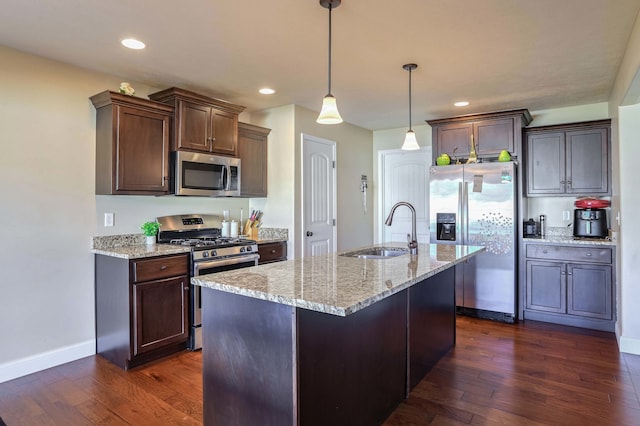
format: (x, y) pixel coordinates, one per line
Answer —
(248, 360)
(273, 364)
(132, 145)
(352, 369)
(432, 323)
(141, 308)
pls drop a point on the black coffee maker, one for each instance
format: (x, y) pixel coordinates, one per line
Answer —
(590, 223)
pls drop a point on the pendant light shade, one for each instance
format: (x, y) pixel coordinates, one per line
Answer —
(329, 113)
(410, 141)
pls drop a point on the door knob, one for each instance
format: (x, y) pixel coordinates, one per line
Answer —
(309, 234)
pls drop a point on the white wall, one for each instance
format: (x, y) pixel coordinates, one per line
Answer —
(354, 148)
(353, 159)
(623, 109)
(279, 205)
(49, 211)
(390, 139)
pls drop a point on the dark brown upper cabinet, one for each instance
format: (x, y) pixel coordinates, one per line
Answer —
(252, 151)
(569, 159)
(490, 133)
(132, 145)
(201, 123)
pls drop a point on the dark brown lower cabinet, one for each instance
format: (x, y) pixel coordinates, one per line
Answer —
(272, 252)
(276, 364)
(141, 308)
(570, 285)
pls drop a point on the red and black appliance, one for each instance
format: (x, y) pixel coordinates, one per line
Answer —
(590, 218)
(210, 252)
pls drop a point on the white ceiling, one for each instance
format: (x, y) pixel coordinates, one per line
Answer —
(497, 54)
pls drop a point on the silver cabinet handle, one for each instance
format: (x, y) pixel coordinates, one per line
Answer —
(163, 267)
(588, 254)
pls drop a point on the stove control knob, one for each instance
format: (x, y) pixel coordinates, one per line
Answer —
(241, 249)
(205, 254)
(248, 248)
(213, 253)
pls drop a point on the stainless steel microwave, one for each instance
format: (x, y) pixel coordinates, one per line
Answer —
(205, 175)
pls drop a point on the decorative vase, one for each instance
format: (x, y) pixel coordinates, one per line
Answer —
(150, 240)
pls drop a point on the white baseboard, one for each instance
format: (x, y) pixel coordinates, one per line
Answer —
(22, 367)
(629, 345)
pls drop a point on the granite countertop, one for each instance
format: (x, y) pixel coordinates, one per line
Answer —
(141, 251)
(132, 246)
(570, 240)
(337, 284)
(271, 240)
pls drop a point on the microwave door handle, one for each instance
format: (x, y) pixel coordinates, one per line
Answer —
(225, 177)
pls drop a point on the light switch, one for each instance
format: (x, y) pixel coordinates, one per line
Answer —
(108, 219)
(566, 215)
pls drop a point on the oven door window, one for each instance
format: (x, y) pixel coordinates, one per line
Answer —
(203, 176)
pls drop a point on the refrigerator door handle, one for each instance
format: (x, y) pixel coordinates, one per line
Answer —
(460, 219)
(465, 209)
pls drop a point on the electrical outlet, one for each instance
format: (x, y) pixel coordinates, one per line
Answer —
(108, 219)
(566, 215)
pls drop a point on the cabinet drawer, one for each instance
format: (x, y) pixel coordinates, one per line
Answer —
(159, 267)
(272, 252)
(570, 254)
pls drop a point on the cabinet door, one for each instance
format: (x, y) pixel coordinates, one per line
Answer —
(493, 136)
(589, 291)
(142, 147)
(545, 164)
(587, 161)
(252, 151)
(225, 133)
(160, 313)
(195, 127)
(454, 140)
(546, 286)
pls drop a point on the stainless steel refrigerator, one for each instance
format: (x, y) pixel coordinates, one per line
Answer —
(475, 204)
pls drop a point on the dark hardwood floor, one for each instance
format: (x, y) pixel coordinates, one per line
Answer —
(525, 374)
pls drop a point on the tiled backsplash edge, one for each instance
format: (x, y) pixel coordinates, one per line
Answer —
(273, 233)
(559, 231)
(110, 241)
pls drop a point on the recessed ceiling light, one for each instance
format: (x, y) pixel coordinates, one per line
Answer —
(461, 104)
(267, 91)
(132, 43)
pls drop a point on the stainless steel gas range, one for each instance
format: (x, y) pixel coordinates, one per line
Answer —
(210, 252)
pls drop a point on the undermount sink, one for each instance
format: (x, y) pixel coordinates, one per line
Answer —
(377, 252)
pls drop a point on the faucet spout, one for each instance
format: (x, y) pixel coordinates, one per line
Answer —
(412, 240)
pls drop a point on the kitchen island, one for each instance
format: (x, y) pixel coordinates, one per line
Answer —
(326, 339)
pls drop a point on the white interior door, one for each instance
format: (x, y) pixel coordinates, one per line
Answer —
(404, 177)
(319, 196)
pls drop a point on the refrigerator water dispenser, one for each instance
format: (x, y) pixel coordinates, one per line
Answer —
(446, 226)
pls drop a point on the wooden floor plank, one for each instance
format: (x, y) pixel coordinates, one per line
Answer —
(528, 374)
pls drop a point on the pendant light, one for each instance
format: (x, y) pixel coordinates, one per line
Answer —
(329, 113)
(410, 142)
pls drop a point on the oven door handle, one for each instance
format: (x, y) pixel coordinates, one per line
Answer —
(223, 262)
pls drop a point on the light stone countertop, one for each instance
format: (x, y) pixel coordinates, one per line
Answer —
(337, 284)
(570, 240)
(141, 251)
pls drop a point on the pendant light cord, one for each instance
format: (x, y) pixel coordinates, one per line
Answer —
(330, 7)
(410, 129)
